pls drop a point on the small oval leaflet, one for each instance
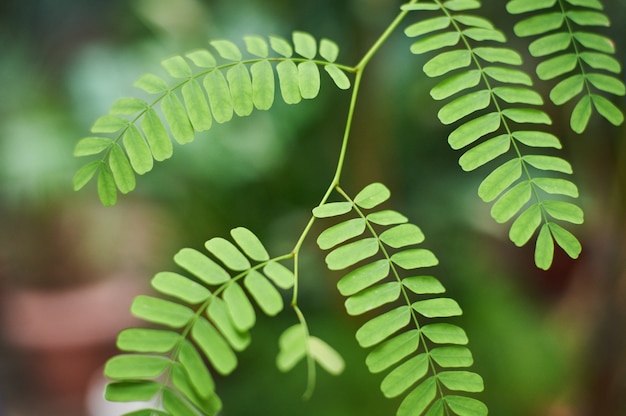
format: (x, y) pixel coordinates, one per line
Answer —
(372, 195)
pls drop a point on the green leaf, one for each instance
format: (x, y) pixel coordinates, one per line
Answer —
(239, 307)
(281, 46)
(372, 195)
(131, 391)
(92, 146)
(537, 139)
(329, 50)
(566, 240)
(518, 95)
(608, 110)
(214, 346)
(181, 287)
(176, 405)
(219, 96)
(289, 82)
(567, 89)
(332, 209)
(177, 67)
(557, 186)
(420, 6)
(581, 114)
(601, 61)
(416, 402)
(338, 76)
(250, 244)
(442, 333)
(128, 106)
(539, 24)
(279, 274)
(107, 191)
(363, 277)
(500, 179)
(434, 42)
(151, 84)
(446, 62)
(218, 314)
(202, 58)
(264, 293)
(592, 4)
(473, 130)
(553, 163)
(292, 345)
(503, 55)
(480, 34)
(402, 235)
(464, 106)
(160, 311)
(326, 356)
(607, 83)
(525, 225)
(196, 370)
(438, 308)
(544, 248)
(308, 79)
(511, 202)
(201, 266)
(263, 85)
(466, 406)
(508, 75)
(559, 65)
(257, 46)
(382, 326)
(473, 21)
(423, 285)
(138, 150)
(523, 6)
(386, 217)
(588, 18)
(392, 351)
(85, 173)
(372, 298)
(455, 84)
(527, 115)
(305, 44)
(427, 26)
(549, 44)
(147, 340)
(461, 381)
(452, 356)
(177, 118)
(135, 366)
(565, 211)
(485, 152)
(197, 106)
(156, 135)
(460, 5)
(227, 50)
(596, 42)
(340, 233)
(109, 124)
(404, 376)
(351, 253)
(414, 258)
(240, 85)
(227, 253)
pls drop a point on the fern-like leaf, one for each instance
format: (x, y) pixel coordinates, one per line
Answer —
(490, 100)
(581, 60)
(422, 355)
(202, 89)
(206, 316)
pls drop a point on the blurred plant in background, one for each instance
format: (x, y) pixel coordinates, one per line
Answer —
(66, 286)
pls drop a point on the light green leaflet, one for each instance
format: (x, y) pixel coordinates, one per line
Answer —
(497, 123)
(383, 267)
(207, 86)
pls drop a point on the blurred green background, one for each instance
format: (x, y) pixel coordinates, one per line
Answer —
(547, 343)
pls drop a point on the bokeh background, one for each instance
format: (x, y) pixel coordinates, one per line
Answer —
(547, 343)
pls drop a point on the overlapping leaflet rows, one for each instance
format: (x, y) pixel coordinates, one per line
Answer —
(204, 317)
(202, 89)
(491, 101)
(426, 358)
(579, 59)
